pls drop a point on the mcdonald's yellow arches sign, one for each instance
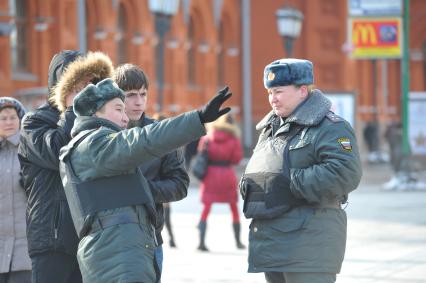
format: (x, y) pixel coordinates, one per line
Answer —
(375, 37)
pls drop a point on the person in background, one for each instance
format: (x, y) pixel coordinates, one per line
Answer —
(403, 177)
(15, 264)
(220, 183)
(166, 175)
(371, 138)
(51, 235)
(303, 167)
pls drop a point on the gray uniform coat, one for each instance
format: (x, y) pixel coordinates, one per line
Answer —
(324, 167)
(125, 252)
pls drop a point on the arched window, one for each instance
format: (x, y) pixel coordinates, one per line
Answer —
(122, 50)
(191, 53)
(18, 36)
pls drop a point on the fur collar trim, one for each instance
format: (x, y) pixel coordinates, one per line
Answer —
(308, 113)
(83, 123)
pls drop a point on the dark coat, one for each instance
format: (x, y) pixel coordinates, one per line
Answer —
(220, 182)
(167, 179)
(324, 168)
(49, 223)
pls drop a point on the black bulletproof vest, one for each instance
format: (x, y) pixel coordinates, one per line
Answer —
(265, 183)
(87, 198)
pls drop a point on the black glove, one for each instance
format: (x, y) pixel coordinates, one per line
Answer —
(67, 121)
(211, 111)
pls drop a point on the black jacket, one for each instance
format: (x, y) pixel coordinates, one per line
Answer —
(49, 223)
(167, 178)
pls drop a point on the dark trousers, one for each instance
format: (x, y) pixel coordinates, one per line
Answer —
(16, 277)
(55, 267)
(299, 277)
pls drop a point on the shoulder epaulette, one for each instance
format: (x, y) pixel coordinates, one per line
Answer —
(333, 117)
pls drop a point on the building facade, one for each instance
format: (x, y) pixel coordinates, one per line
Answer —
(201, 49)
(211, 43)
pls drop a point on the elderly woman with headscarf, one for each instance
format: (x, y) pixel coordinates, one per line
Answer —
(15, 265)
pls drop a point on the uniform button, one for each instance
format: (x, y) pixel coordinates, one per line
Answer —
(8, 171)
(8, 255)
(255, 229)
(146, 246)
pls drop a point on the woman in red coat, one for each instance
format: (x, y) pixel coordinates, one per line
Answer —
(220, 183)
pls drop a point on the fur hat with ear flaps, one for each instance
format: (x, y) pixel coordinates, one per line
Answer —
(95, 66)
(93, 97)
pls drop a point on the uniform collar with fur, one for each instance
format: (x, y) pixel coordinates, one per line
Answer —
(309, 113)
(83, 123)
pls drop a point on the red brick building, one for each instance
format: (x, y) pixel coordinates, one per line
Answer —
(211, 43)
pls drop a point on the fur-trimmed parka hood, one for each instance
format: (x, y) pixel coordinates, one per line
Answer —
(95, 64)
(223, 124)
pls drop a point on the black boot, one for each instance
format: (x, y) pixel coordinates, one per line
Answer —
(202, 226)
(237, 229)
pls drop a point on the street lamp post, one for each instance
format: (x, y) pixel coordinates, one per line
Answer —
(163, 10)
(289, 21)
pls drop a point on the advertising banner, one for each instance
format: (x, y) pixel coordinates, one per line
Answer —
(374, 7)
(375, 38)
(417, 123)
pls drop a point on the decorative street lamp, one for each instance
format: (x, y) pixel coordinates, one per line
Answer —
(289, 21)
(163, 10)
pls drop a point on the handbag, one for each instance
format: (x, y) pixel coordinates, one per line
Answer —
(201, 161)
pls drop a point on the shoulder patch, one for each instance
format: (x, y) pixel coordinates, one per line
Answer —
(333, 117)
(345, 143)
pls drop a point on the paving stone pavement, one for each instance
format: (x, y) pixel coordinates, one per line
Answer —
(386, 238)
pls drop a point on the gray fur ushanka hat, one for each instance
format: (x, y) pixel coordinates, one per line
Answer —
(93, 97)
(289, 71)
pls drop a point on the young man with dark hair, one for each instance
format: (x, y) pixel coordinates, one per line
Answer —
(166, 176)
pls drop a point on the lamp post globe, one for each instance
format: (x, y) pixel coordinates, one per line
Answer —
(289, 23)
(163, 11)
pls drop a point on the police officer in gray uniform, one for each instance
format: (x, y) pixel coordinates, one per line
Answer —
(109, 198)
(303, 167)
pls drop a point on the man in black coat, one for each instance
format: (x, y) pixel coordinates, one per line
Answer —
(52, 240)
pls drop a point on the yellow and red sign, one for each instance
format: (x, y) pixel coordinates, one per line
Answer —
(375, 37)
